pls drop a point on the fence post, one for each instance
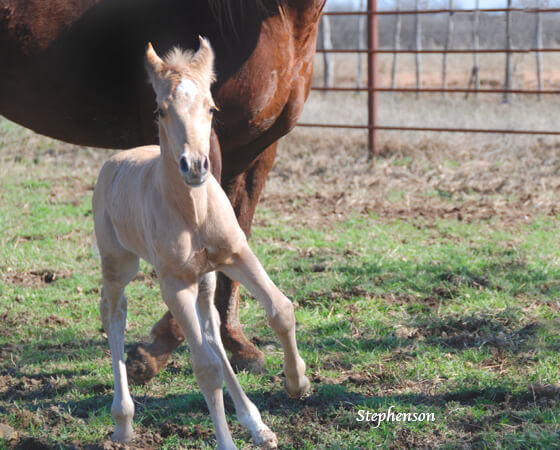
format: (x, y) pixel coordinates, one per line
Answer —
(418, 29)
(361, 45)
(448, 43)
(373, 44)
(396, 45)
(476, 69)
(328, 60)
(507, 84)
(538, 45)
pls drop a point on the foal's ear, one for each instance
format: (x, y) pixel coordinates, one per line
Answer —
(203, 59)
(153, 63)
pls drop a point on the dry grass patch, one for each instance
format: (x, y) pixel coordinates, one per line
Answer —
(324, 176)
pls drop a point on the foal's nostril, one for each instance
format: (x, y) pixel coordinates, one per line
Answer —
(183, 164)
(205, 164)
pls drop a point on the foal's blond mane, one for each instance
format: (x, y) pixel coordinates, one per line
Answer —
(178, 64)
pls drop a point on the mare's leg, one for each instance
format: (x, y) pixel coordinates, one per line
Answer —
(118, 271)
(147, 359)
(247, 269)
(180, 298)
(247, 413)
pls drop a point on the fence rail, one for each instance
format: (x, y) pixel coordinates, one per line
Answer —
(449, 130)
(373, 89)
(438, 11)
(437, 90)
(440, 50)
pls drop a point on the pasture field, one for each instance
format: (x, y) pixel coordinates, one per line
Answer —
(427, 282)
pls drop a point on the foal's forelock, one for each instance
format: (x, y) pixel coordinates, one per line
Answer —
(184, 64)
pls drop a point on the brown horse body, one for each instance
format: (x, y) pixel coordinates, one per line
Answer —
(72, 69)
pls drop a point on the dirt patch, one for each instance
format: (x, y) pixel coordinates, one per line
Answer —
(413, 303)
(145, 439)
(30, 443)
(8, 324)
(185, 432)
(460, 333)
(322, 177)
(405, 438)
(32, 387)
(54, 321)
(147, 278)
(69, 189)
(11, 322)
(320, 297)
(34, 278)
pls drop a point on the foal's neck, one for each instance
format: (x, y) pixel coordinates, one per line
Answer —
(190, 203)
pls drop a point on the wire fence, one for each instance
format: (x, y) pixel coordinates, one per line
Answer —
(373, 50)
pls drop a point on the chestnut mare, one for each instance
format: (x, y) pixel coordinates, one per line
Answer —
(73, 70)
(141, 192)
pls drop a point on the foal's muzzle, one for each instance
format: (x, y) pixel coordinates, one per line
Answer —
(194, 170)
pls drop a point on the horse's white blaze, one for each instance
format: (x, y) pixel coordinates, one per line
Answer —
(188, 88)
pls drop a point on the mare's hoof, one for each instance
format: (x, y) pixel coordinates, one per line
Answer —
(254, 363)
(299, 389)
(142, 366)
(266, 440)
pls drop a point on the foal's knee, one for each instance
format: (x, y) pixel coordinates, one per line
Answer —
(209, 374)
(282, 318)
(113, 311)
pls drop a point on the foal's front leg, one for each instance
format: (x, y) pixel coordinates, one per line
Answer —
(180, 298)
(246, 268)
(247, 413)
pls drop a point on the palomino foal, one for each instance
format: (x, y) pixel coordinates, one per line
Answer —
(163, 205)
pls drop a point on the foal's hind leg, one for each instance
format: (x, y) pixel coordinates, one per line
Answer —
(246, 268)
(117, 273)
(247, 413)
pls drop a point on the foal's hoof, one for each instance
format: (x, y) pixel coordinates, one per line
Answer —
(299, 389)
(123, 435)
(141, 366)
(254, 363)
(266, 440)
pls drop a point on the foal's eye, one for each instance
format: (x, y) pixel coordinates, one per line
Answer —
(161, 113)
(212, 110)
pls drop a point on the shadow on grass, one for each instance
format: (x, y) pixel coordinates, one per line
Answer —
(54, 350)
(325, 397)
(335, 403)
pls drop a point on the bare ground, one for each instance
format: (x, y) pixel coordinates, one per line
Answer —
(323, 176)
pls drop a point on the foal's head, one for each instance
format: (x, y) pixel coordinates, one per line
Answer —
(181, 81)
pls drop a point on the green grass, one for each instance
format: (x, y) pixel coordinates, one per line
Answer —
(440, 316)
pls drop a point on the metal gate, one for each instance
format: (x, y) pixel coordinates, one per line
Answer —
(373, 88)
